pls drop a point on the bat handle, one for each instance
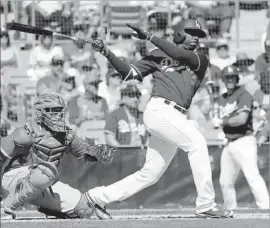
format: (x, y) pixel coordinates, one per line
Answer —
(55, 34)
(82, 40)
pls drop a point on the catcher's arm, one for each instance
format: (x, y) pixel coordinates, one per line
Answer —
(18, 142)
(92, 153)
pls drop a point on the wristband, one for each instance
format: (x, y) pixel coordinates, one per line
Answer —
(149, 37)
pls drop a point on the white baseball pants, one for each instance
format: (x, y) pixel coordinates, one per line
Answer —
(169, 130)
(241, 154)
(63, 199)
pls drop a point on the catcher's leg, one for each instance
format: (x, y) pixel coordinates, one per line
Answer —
(9, 180)
(63, 201)
(40, 177)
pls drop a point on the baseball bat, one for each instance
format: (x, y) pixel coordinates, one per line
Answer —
(44, 32)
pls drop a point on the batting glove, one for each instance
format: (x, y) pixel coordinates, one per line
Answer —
(99, 46)
(139, 33)
(217, 122)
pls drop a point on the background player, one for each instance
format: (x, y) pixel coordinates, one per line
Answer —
(240, 152)
(30, 156)
(177, 71)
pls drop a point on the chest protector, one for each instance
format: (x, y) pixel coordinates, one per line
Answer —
(48, 147)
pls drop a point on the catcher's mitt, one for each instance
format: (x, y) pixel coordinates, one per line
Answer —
(100, 153)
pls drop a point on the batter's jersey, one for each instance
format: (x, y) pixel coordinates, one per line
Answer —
(239, 101)
(171, 79)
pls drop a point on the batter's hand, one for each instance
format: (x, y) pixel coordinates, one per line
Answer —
(99, 46)
(139, 33)
(217, 122)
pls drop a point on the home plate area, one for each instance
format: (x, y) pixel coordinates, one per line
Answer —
(144, 218)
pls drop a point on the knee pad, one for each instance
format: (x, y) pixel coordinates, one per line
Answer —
(43, 175)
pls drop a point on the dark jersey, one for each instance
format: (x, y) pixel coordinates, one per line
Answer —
(239, 101)
(126, 131)
(172, 80)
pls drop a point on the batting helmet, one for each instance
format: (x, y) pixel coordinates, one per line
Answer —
(51, 110)
(230, 71)
(190, 26)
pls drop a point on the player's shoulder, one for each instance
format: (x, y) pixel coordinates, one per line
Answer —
(243, 92)
(204, 59)
(22, 136)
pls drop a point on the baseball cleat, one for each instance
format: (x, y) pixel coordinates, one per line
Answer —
(100, 212)
(216, 212)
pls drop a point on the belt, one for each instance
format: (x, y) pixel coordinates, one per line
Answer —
(177, 107)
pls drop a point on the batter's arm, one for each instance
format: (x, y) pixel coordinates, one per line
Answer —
(136, 71)
(196, 61)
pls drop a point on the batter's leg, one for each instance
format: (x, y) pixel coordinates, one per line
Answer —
(247, 158)
(173, 127)
(158, 156)
(228, 174)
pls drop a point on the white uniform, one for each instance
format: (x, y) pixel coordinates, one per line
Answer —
(240, 152)
(176, 132)
(62, 198)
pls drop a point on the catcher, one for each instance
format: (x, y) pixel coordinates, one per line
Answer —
(30, 157)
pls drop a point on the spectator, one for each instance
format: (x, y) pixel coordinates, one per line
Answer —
(110, 89)
(48, 12)
(214, 16)
(69, 88)
(41, 57)
(259, 119)
(265, 134)
(207, 94)
(52, 82)
(78, 53)
(247, 77)
(124, 126)
(88, 106)
(9, 56)
(223, 58)
(262, 67)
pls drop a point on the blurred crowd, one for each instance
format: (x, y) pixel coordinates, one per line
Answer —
(95, 95)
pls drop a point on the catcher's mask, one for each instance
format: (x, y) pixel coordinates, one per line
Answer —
(51, 111)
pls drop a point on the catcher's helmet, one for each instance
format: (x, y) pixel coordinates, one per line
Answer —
(191, 27)
(51, 111)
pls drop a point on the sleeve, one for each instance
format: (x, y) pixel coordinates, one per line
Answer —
(79, 148)
(144, 66)
(201, 62)
(111, 124)
(245, 103)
